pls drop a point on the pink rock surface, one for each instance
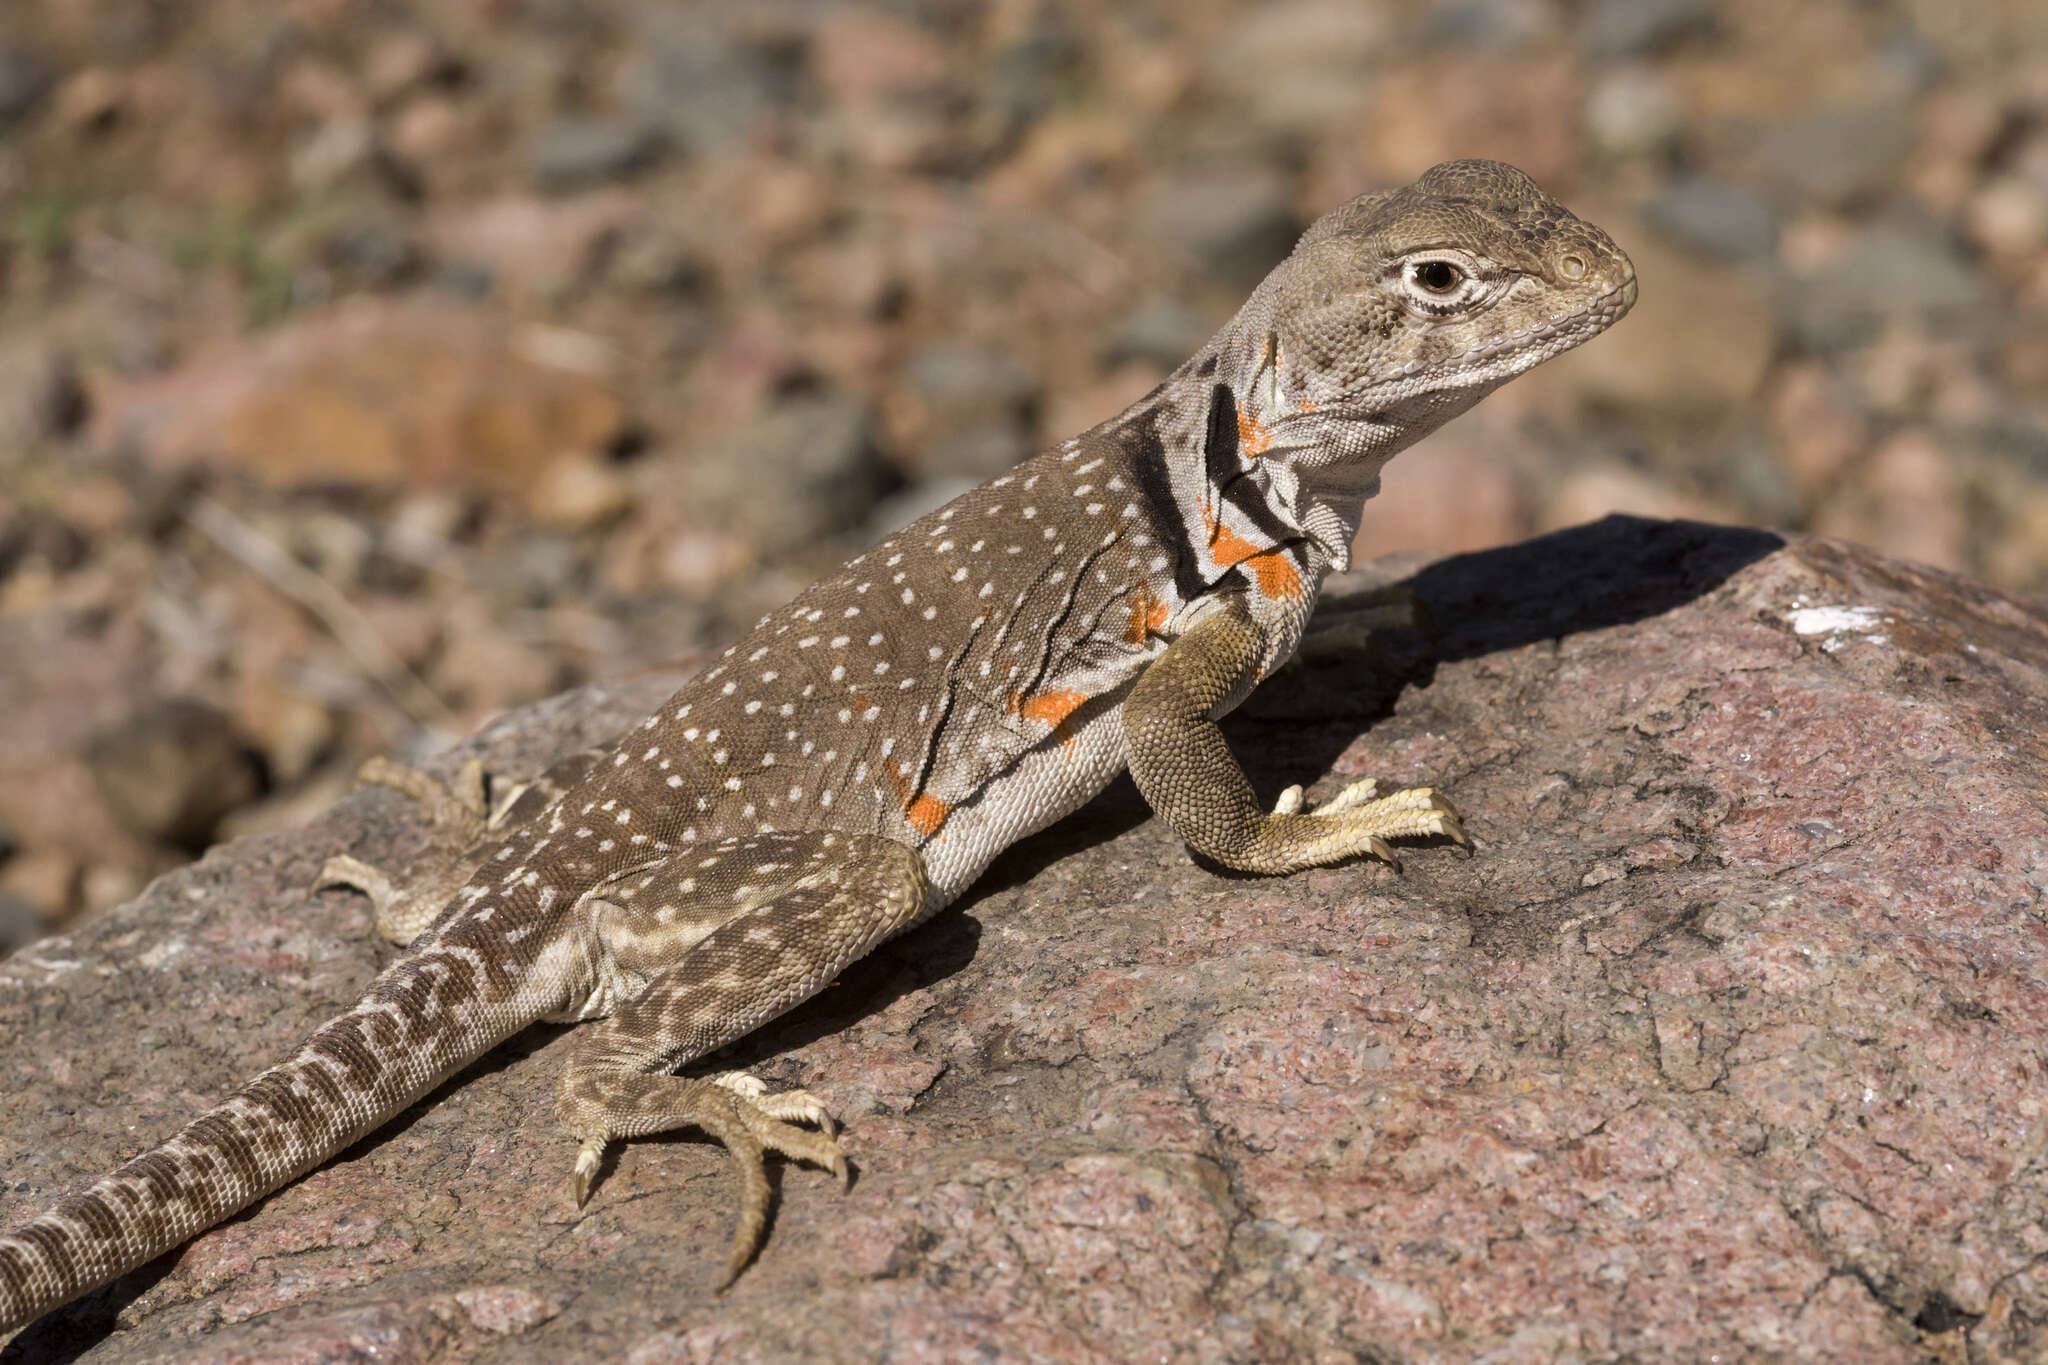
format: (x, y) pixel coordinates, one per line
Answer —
(1724, 1042)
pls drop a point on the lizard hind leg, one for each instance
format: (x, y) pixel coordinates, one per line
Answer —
(466, 813)
(398, 910)
(786, 912)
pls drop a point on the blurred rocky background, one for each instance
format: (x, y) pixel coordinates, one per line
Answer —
(369, 366)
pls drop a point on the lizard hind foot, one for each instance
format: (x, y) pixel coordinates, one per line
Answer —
(344, 869)
(790, 1106)
(733, 1108)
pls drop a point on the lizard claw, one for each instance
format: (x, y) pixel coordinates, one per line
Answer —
(586, 1170)
(1384, 851)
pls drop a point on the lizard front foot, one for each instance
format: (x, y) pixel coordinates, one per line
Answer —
(1370, 820)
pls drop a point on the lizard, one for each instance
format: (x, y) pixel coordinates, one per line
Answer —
(852, 764)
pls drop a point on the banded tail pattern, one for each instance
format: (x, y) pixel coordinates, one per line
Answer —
(424, 1018)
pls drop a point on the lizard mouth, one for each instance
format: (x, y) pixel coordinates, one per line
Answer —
(1528, 346)
(1501, 357)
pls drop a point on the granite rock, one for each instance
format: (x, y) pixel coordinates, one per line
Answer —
(1724, 1039)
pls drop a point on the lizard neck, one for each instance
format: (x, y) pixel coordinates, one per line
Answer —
(1250, 471)
(1276, 458)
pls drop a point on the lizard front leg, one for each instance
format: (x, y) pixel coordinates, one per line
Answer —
(1181, 763)
(791, 910)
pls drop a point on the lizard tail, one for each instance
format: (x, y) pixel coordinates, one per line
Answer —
(428, 1015)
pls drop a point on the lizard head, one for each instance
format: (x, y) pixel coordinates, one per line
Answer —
(1410, 305)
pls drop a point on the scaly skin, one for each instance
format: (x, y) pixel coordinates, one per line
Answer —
(853, 763)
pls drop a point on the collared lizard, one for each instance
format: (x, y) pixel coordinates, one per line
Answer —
(853, 763)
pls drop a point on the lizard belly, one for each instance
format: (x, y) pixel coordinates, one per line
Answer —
(1048, 781)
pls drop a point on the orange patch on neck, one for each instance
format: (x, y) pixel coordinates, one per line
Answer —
(1277, 576)
(1147, 614)
(1252, 435)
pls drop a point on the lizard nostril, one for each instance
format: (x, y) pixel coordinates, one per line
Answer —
(1572, 267)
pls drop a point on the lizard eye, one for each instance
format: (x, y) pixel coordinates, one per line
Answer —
(1438, 277)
